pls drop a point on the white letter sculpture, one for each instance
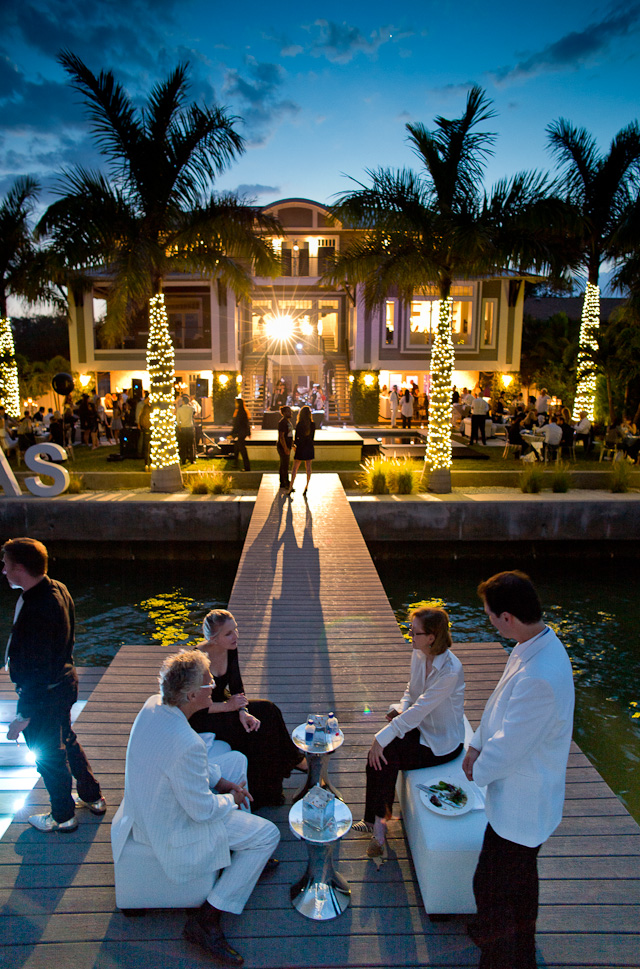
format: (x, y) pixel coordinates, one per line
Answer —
(34, 462)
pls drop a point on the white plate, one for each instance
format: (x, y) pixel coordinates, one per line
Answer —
(449, 810)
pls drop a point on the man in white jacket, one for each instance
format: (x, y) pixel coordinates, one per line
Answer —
(168, 804)
(520, 753)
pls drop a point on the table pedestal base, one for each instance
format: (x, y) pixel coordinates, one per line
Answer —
(318, 764)
(322, 893)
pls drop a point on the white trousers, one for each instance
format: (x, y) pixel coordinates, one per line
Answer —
(252, 841)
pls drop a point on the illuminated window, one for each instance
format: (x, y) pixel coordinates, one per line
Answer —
(423, 322)
(489, 322)
(390, 322)
(461, 326)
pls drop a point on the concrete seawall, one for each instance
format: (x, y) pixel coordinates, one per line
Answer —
(132, 520)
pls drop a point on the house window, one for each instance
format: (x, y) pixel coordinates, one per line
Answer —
(390, 323)
(489, 322)
(185, 321)
(423, 322)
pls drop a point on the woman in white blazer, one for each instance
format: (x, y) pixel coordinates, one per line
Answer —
(425, 728)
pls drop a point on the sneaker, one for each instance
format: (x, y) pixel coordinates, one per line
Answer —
(96, 807)
(46, 822)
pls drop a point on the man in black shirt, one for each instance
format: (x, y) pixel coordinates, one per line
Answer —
(40, 660)
(285, 443)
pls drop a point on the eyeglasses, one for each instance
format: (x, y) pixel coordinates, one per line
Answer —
(415, 633)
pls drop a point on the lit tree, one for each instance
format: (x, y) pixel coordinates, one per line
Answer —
(600, 189)
(438, 225)
(9, 389)
(165, 462)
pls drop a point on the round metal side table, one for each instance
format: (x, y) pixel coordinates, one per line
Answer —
(322, 893)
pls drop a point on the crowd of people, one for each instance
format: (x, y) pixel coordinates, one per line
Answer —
(202, 756)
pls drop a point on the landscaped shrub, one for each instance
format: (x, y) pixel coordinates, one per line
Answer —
(224, 390)
(620, 477)
(561, 478)
(76, 484)
(398, 476)
(365, 397)
(530, 480)
(213, 482)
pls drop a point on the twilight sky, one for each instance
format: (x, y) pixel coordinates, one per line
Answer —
(324, 90)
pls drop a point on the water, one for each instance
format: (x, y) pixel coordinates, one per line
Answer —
(138, 602)
(595, 611)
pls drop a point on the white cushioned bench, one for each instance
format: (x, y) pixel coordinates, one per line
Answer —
(444, 849)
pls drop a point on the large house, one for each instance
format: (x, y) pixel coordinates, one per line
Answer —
(294, 329)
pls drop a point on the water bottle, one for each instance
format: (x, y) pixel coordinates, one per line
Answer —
(332, 726)
(309, 732)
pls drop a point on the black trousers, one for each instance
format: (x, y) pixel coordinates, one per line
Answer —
(505, 886)
(187, 444)
(58, 754)
(284, 467)
(478, 422)
(403, 753)
(406, 421)
(240, 448)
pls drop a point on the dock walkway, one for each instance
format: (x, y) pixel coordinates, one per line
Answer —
(316, 633)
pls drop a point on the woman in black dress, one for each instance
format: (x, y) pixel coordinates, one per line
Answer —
(240, 431)
(303, 444)
(254, 727)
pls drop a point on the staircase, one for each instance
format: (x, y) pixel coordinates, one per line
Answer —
(252, 379)
(339, 401)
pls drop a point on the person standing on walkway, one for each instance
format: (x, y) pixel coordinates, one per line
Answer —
(186, 431)
(479, 408)
(303, 443)
(40, 662)
(240, 431)
(520, 753)
(393, 404)
(406, 409)
(285, 444)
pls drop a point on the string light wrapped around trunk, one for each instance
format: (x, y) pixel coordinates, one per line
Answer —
(161, 368)
(442, 364)
(586, 389)
(9, 387)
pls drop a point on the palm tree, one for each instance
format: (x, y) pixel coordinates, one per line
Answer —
(600, 189)
(20, 265)
(439, 225)
(155, 211)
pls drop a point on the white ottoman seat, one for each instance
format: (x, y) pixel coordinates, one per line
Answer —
(444, 849)
(141, 882)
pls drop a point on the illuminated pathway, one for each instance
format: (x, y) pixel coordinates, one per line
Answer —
(316, 633)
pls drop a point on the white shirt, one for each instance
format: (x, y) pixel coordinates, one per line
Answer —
(542, 403)
(434, 704)
(479, 405)
(184, 415)
(584, 426)
(552, 433)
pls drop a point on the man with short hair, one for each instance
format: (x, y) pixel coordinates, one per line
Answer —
(583, 431)
(40, 661)
(520, 753)
(168, 804)
(479, 408)
(393, 404)
(284, 445)
(552, 434)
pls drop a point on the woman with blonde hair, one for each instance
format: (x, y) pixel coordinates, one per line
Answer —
(303, 444)
(254, 727)
(425, 728)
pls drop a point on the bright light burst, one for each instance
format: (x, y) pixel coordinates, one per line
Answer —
(279, 328)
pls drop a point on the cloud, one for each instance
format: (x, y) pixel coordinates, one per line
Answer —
(109, 27)
(339, 43)
(453, 89)
(258, 93)
(575, 47)
(248, 191)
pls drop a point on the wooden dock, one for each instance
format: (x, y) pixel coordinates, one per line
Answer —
(316, 633)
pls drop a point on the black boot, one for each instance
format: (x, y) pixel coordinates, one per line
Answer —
(203, 929)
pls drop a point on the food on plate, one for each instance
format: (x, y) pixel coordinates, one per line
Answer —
(448, 793)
